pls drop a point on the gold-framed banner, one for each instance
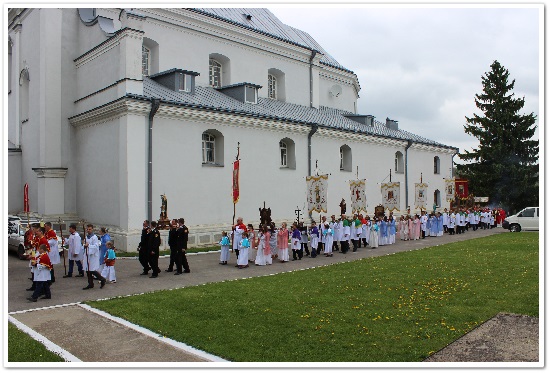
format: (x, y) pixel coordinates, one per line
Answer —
(317, 187)
(358, 195)
(420, 195)
(450, 189)
(391, 195)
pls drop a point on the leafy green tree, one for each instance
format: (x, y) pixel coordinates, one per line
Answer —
(505, 166)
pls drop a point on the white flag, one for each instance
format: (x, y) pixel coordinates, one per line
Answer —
(420, 195)
(317, 193)
(358, 196)
(391, 196)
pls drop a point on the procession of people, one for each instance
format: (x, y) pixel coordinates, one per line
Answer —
(95, 254)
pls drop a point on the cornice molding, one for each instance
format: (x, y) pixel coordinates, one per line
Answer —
(50, 172)
(359, 137)
(109, 112)
(107, 45)
(432, 148)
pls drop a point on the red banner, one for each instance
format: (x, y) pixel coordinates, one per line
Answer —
(235, 182)
(26, 198)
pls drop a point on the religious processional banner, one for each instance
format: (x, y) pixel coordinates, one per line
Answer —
(317, 187)
(391, 196)
(450, 189)
(26, 207)
(420, 195)
(235, 182)
(358, 195)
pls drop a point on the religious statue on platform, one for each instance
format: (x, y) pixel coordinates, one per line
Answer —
(163, 207)
(343, 207)
(265, 215)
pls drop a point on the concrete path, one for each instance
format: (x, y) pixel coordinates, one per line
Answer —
(60, 324)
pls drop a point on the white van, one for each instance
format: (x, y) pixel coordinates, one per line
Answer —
(527, 220)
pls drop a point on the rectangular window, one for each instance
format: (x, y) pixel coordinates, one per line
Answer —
(185, 82)
(250, 95)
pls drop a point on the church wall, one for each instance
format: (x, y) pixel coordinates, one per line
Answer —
(98, 168)
(344, 101)
(202, 194)
(15, 187)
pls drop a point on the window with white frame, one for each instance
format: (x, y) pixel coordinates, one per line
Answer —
(284, 153)
(437, 198)
(145, 60)
(345, 158)
(399, 163)
(250, 95)
(436, 165)
(271, 86)
(208, 148)
(185, 82)
(215, 73)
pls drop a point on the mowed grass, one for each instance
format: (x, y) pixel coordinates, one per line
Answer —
(401, 307)
(23, 348)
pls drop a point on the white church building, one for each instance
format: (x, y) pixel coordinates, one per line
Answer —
(111, 108)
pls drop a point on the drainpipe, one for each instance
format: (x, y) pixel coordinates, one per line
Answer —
(314, 128)
(155, 104)
(313, 53)
(409, 143)
(452, 164)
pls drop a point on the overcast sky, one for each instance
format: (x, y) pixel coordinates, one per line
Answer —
(422, 66)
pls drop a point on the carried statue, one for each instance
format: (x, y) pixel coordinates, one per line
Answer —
(164, 222)
(343, 207)
(265, 215)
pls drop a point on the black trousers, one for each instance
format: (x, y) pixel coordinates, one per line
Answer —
(320, 247)
(299, 253)
(451, 230)
(304, 247)
(40, 288)
(335, 246)
(91, 275)
(154, 264)
(181, 261)
(144, 259)
(345, 246)
(173, 254)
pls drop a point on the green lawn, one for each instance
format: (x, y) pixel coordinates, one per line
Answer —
(401, 307)
(23, 348)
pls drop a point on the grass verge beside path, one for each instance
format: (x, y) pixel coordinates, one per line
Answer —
(401, 307)
(23, 348)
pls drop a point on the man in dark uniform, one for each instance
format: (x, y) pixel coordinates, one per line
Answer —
(172, 243)
(154, 249)
(181, 243)
(143, 249)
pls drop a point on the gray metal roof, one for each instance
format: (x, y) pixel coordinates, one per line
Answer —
(210, 98)
(265, 22)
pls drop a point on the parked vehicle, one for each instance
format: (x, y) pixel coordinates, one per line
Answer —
(527, 220)
(16, 236)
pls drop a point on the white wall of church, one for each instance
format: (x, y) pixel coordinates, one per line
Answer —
(202, 194)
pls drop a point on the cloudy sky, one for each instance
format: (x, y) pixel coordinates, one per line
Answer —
(423, 65)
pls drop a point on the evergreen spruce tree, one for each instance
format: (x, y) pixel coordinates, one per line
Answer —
(504, 167)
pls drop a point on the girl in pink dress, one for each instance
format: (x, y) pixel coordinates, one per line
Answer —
(282, 243)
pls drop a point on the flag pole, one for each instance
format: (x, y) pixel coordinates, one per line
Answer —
(62, 244)
(234, 182)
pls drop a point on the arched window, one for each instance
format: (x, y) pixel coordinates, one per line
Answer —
(271, 86)
(208, 148)
(399, 168)
(345, 158)
(437, 198)
(436, 165)
(287, 153)
(212, 148)
(215, 73)
(284, 154)
(145, 60)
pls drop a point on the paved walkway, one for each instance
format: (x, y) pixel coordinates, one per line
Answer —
(60, 318)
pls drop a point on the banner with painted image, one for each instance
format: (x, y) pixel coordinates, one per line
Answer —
(450, 189)
(317, 187)
(391, 196)
(358, 195)
(420, 195)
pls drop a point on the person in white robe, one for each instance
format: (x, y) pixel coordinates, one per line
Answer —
(253, 250)
(327, 232)
(75, 252)
(260, 257)
(244, 245)
(373, 243)
(91, 261)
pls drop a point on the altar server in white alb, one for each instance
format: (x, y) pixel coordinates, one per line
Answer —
(109, 259)
(91, 260)
(75, 252)
(54, 248)
(327, 233)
